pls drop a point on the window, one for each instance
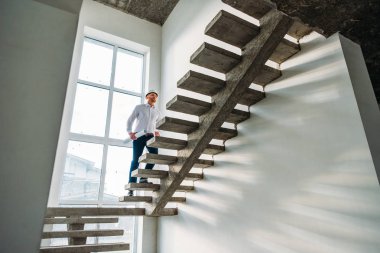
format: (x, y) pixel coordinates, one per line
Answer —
(110, 84)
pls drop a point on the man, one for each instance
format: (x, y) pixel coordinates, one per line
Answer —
(146, 117)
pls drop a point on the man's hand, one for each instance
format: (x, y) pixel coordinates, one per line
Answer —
(156, 133)
(132, 135)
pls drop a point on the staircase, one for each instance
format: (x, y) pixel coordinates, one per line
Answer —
(258, 44)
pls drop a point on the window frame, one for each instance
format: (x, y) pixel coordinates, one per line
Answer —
(106, 141)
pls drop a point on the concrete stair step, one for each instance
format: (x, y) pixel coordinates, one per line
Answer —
(167, 160)
(150, 173)
(198, 107)
(201, 83)
(284, 51)
(258, 8)
(251, 97)
(142, 187)
(177, 199)
(163, 174)
(82, 233)
(188, 105)
(254, 8)
(237, 116)
(79, 220)
(215, 58)
(177, 125)
(299, 29)
(231, 29)
(86, 248)
(194, 176)
(92, 211)
(213, 149)
(175, 144)
(185, 188)
(267, 75)
(225, 134)
(166, 143)
(146, 199)
(157, 159)
(186, 127)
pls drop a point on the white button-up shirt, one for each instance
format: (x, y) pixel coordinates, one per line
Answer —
(146, 118)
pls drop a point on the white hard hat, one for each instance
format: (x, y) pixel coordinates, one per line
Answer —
(151, 91)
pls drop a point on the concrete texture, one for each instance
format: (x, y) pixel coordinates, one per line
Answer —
(215, 58)
(231, 29)
(356, 20)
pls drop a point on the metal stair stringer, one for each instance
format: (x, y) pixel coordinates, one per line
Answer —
(274, 25)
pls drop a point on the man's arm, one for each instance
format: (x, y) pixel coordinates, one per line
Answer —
(130, 121)
(156, 133)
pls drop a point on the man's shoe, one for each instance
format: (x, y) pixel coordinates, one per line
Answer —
(130, 193)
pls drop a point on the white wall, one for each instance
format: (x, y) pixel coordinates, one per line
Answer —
(298, 178)
(365, 97)
(36, 47)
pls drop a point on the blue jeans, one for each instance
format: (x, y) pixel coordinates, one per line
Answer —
(138, 148)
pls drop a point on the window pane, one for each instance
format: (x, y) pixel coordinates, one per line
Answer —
(96, 62)
(90, 110)
(81, 179)
(122, 107)
(117, 172)
(129, 70)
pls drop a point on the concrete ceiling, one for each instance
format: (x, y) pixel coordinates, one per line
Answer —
(155, 11)
(356, 20)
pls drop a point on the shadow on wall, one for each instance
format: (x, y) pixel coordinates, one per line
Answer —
(299, 177)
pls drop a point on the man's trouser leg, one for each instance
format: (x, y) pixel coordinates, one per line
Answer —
(149, 166)
(138, 148)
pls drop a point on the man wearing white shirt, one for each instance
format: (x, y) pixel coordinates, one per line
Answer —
(146, 117)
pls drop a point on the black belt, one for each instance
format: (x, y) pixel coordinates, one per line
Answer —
(149, 134)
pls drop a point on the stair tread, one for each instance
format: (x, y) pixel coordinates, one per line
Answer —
(267, 75)
(177, 199)
(198, 107)
(157, 159)
(186, 127)
(225, 134)
(201, 83)
(188, 105)
(166, 159)
(254, 8)
(79, 220)
(299, 30)
(213, 149)
(147, 199)
(231, 29)
(166, 143)
(284, 51)
(177, 125)
(175, 144)
(215, 58)
(185, 188)
(251, 97)
(142, 187)
(237, 116)
(194, 176)
(85, 248)
(92, 211)
(82, 233)
(149, 173)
